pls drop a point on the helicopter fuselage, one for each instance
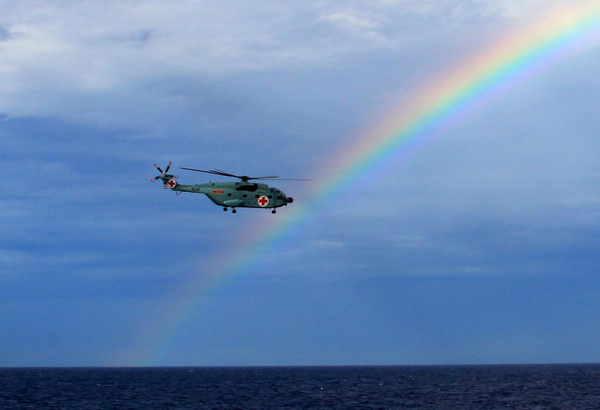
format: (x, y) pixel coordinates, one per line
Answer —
(236, 194)
(242, 194)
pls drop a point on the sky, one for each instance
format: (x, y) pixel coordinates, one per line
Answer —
(474, 244)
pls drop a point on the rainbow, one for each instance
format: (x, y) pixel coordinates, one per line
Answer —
(554, 37)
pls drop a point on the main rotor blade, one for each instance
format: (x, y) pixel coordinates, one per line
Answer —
(271, 177)
(244, 178)
(199, 170)
(227, 174)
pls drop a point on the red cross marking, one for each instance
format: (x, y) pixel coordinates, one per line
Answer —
(172, 183)
(263, 201)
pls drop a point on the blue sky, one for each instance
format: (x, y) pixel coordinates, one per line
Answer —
(479, 247)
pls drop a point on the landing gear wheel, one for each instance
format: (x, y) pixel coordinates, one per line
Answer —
(233, 211)
(225, 209)
(273, 211)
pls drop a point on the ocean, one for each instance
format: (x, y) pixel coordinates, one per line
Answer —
(364, 387)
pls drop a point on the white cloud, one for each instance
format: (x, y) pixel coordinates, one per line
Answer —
(74, 59)
(357, 25)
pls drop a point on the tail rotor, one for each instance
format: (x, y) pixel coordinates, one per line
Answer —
(167, 179)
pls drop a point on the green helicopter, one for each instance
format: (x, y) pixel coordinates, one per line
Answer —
(240, 194)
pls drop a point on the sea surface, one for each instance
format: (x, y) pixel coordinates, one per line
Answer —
(365, 387)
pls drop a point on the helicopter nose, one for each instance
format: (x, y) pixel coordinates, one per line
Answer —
(290, 200)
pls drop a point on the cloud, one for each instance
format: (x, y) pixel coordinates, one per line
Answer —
(355, 25)
(78, 61)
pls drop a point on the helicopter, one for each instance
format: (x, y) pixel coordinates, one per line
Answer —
(242, 194)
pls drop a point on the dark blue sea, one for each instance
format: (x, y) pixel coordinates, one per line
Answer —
(365, 387)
